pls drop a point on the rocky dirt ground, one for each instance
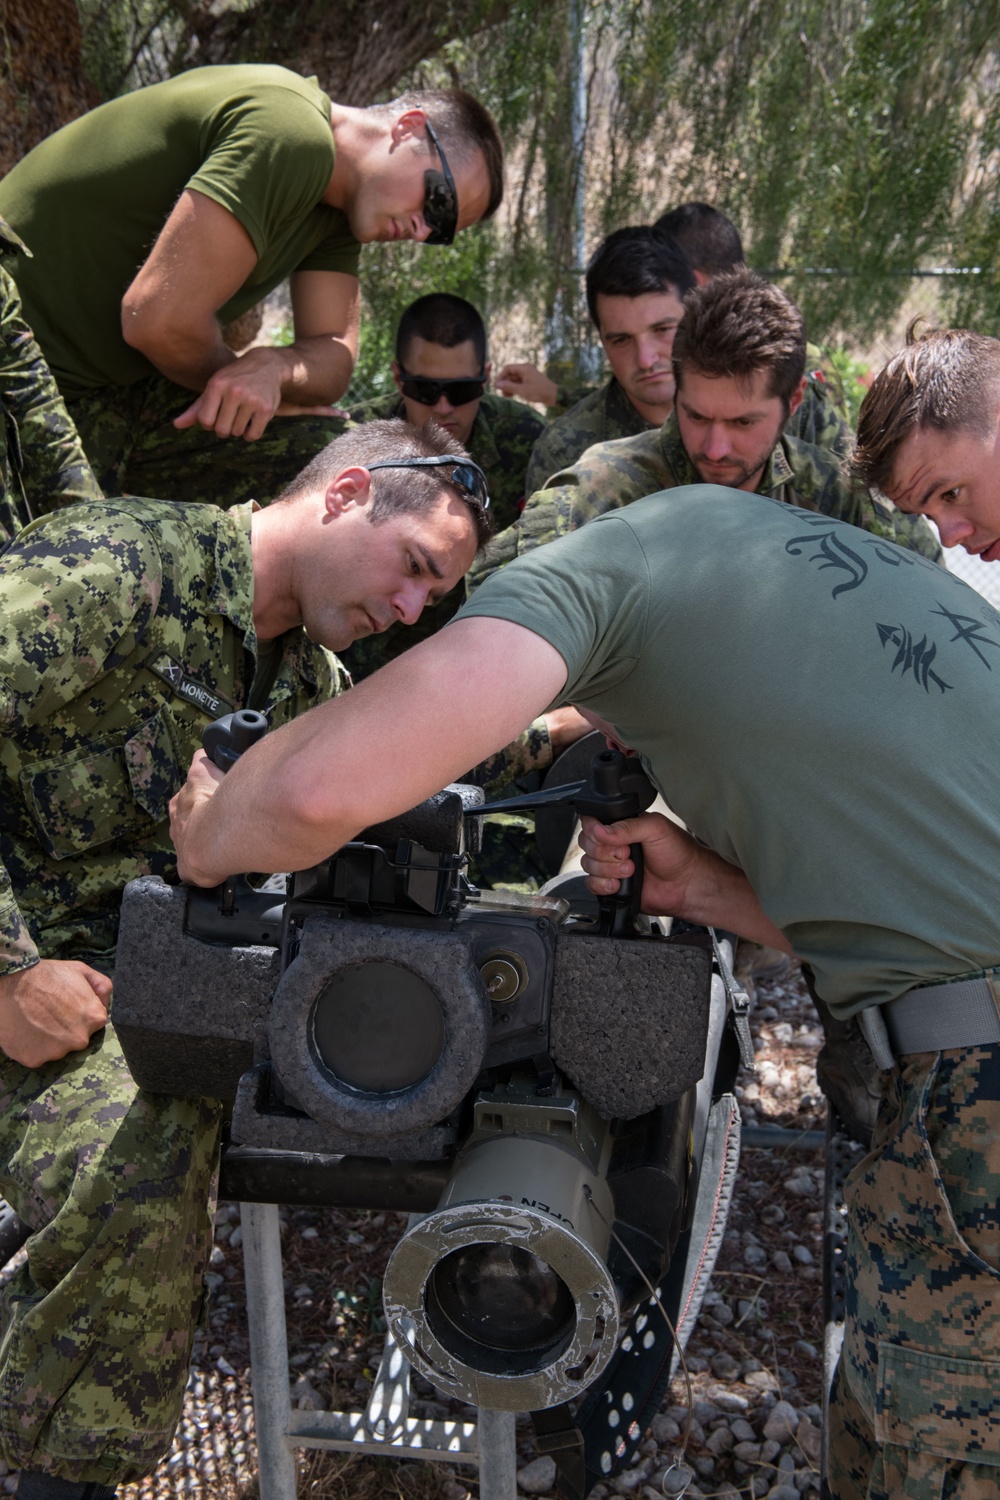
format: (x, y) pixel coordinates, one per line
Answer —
(754, 1360)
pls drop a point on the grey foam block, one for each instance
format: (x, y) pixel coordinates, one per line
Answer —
(192, 1016)
(629, 1020)
(251, 1126)
(443, 960)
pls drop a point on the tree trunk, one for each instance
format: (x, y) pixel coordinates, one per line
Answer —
(358, 49)
(42, 82)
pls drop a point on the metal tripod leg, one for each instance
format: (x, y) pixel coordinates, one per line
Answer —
(384, 1428)
(268, 1349)
(842, 1155)
(497, 1455)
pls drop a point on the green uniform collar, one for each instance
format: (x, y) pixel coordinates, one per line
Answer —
(231, 595)
(619, 409)
(231, 591)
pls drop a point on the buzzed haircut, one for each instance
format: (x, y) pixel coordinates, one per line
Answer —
(462, 125)
(711, 241)
(394, 491)
(737, 325)
(441, 318)
(634, 262)
(946, 379)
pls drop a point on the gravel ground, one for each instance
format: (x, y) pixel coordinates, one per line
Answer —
(754, 1359)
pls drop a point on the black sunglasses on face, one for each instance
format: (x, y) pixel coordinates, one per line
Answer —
(427, 392)
(440, 197)
(467, 475)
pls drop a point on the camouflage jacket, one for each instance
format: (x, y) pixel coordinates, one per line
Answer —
(42, 465)
(599, 417)
(501, 441)
(124, 630)
(613, 474)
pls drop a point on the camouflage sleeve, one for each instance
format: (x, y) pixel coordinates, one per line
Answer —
(17, 950)
(531, 751)
(915, 533)
(549, 514)
(545, 516)
(567, 396)
(53, 468)
(70, 589)
(818, 420)
(499, 550)
(881, 518)
(554, 450)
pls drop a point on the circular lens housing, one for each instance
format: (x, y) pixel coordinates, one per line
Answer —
(500, 1307)
(377, 1027)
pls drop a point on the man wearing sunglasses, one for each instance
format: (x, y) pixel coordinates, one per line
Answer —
(442, 371)
(159, 217)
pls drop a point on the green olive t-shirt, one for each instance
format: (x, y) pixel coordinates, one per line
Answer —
(819, 705)
(92, 198)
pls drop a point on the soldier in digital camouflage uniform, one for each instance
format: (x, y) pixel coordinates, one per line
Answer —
(125, 628)
(710, 341)
(442, 371)
(42, 465)
(189, 200)
(580, 417)
(604, 414)
(636, 282)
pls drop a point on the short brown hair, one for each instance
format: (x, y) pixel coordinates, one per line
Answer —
(709, 239)
(947, 379)
(463, 125)
(738, 324)
(393, 490)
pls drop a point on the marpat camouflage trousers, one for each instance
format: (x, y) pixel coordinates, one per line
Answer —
(134, 449)
(119, 1189)
(915, 1411)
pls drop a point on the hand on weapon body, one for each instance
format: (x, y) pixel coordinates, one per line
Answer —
(203, 779)
(681, 877)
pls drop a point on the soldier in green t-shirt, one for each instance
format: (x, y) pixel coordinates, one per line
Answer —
(820, 706)
(165, 214)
